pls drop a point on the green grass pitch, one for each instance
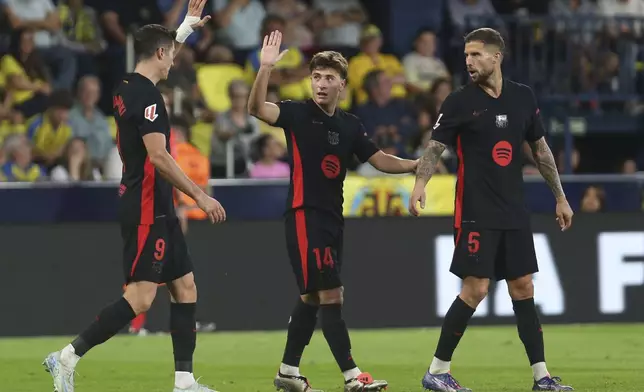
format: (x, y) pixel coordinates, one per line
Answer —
(607, 358)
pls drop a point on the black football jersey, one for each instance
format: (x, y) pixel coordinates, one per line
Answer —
(139, 109)
(487, 134)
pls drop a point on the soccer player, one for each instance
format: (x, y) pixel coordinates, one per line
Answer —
(487, 121)
(155, 249)
(322, 140)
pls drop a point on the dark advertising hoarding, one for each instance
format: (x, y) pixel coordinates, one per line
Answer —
(57, 277)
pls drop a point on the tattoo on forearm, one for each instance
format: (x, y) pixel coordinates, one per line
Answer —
(429, 160)
(547, 167)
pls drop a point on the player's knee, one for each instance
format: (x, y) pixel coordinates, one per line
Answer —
(521, 288)
(332, 296)
(140, 296)
(474, 291)
(184, 289)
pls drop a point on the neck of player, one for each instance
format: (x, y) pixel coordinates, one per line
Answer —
(149, 71)
(494, 84)
(328, 108)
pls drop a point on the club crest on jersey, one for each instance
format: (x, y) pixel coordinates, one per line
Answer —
(501, 121)
(334, 138)
(151, 113)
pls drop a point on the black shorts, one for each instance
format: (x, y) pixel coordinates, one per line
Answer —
(493, 254)
(155, 253)
(314, 244)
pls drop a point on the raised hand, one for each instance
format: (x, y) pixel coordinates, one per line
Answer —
(270, 54)
(195, 9)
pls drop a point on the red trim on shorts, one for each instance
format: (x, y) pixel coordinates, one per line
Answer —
(460, 175)
(298, 181)
(302, 244)
(141, 238)
(147, 193)
(458, 236)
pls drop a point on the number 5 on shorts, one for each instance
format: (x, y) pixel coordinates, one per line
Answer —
(473, 244)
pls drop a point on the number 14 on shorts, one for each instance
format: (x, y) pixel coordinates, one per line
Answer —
(323, 257)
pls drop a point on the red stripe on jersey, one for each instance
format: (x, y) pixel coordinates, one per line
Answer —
(302, 244)
(298, 181)
(460, 174)
(141, 239)
(147, 193)
(458, 237)
(118, 146)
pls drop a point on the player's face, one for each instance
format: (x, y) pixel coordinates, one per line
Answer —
(327, 84)
(481, 60)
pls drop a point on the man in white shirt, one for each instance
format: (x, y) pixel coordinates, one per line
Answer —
(342, 23)
(239, 22)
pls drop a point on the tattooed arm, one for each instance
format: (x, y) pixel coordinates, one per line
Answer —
(545, 162)
(429, 161)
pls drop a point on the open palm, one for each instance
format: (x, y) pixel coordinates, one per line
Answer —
(270, 53)
(195, 9)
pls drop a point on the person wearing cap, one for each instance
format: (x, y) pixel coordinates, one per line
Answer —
(370, 58)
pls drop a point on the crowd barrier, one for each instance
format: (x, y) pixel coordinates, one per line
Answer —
(265, 199)
(395, 272)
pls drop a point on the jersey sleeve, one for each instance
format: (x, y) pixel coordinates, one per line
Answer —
(152, 115)
(535, 126)
(446, 127)
(363, 146)
(287, 114)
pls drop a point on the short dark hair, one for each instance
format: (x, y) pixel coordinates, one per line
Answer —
(424, 30)
(60, 99)
(332, 60)
(151, 37)
(270, 18)
(488, 36)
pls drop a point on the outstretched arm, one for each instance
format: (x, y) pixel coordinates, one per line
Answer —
(428, 162)
(545, 162)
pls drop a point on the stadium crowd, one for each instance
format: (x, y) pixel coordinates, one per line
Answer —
(60, 60)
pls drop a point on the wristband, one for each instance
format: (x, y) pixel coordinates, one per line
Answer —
(184, 30)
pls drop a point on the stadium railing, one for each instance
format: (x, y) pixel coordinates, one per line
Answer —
(251, 199)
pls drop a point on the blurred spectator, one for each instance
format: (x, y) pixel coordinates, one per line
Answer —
(339, 24)
(370, 58)
(422, 66)
(197, 168)
(81, 33)
(41, 16)
(439, 91)
(89, 122)
(239, 22)
(461, 10)
(291, 73)
(113, 166)
(267, 161)
(573, 8)
(574, 161)
(232, 134)
(50, 131)
(593, 199)
(184, 76)
(19, 166)
(297, 15)
(390, 120)
(76, 164)
(629, 167)
(26, 77)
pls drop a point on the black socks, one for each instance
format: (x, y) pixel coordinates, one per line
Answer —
(300, 330)
(337, 335)
(454, 326)
(529, 328)
(183, 324)
(107, 324)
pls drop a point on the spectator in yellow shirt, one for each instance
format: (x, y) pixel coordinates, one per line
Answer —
(291, 73)
(24, 75)
(369, 59)
(50, 131)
